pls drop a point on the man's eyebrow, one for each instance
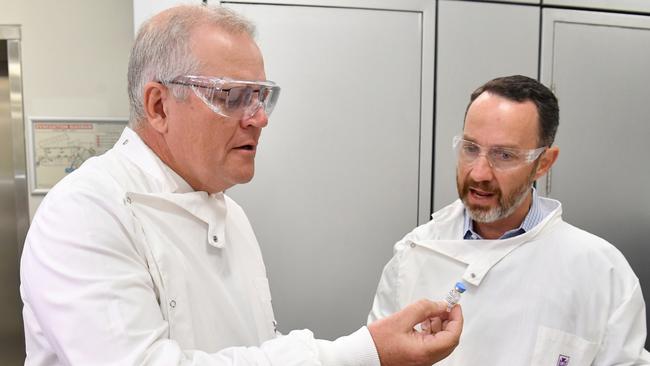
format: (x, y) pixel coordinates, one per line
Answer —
(500, 146)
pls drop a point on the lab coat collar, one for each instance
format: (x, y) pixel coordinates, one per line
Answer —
(444, 230)
(209, 208)
(134, 149)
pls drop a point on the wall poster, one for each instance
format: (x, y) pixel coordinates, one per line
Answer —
(61, 145)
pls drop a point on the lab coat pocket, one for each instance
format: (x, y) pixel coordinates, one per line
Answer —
(557, 348)
(264, 314)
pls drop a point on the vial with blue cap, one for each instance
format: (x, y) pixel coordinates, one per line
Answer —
(453, 296)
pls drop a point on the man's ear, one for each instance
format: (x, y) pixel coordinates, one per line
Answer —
(154, 98)
(547, 160)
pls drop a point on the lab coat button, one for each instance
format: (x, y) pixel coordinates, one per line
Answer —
(412, 245)
(128, 200)
(172, 304)
(125, 142)
(473, 275)
(215, 239)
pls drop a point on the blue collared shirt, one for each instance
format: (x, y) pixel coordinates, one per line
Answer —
(535, 215)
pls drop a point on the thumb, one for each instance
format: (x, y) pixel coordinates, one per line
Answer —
(420, 311)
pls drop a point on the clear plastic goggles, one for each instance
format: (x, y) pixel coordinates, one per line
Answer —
(500, 158)
(238, 99)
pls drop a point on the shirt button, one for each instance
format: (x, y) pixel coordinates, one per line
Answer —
(125, 142)
(215, 239)
(128, 200)
(473, 275)
(172, 304)
(412, 245)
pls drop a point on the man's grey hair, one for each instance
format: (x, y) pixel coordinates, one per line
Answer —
(162, 49)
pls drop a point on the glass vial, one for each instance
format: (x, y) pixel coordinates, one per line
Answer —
(453, 296)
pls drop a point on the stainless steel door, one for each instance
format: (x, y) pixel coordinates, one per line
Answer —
(14, 216)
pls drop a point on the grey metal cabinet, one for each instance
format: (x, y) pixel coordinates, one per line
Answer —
(476, 42)
(598, 65)
(343, 169)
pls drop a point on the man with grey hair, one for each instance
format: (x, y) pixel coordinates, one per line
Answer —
(139, 258)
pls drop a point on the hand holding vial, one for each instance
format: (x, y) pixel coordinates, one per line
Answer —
(436, 324)
(399, 342)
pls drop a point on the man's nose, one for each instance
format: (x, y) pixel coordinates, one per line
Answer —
(481, 169)
(259, 119)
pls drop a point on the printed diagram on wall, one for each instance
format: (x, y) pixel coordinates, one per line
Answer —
(59, 146)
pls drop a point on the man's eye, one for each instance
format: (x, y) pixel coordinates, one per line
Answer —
(470, 149)
(219, 97)
(239, 97)
(262, 94)
(504, 155)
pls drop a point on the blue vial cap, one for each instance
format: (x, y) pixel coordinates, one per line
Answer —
(460, 287)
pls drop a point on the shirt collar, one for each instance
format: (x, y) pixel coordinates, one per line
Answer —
(535, 216)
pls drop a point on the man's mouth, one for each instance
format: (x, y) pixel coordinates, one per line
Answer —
(481, 193)
(246, 147)
(480, 196)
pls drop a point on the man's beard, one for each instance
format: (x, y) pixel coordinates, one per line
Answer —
(505, 207)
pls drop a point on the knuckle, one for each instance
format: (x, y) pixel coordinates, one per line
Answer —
(423, 304)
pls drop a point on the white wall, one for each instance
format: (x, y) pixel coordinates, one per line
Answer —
(74, 57)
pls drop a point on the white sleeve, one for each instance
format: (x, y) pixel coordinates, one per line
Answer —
(356, 349)
(626, 333)
(89, 298)
(298, 348)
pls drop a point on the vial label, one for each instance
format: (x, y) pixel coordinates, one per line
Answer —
(453, 297)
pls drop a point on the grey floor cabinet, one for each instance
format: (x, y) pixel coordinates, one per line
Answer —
(343, 169)
(477, 41)
(599, 66)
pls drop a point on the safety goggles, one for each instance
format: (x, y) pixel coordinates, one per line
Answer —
(499, 158)
(238, 99)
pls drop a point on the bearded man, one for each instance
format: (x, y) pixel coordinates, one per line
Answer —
(539, 290)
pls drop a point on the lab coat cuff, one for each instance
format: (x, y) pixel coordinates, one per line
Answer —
(356, 349)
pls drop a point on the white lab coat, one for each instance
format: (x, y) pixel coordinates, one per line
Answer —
(553, 294)
(125, 264)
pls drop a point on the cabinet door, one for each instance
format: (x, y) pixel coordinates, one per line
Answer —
(343, 169)
(625, 5)
(476, 42)
(598, 65)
